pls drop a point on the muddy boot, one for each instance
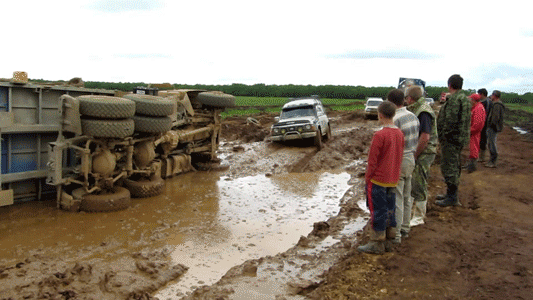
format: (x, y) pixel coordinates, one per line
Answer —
(451, 198)
(390, 235)
(441, 196)
(376, 243)
(471, 167)
(419, 213)
(490, 164)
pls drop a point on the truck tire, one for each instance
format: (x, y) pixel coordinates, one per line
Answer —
(117, 199)
(106, 107)
(102, 128)
(145, 188)
(328, 133)
(216, 99)
(149, 105)
(152, 124)
(318, 139)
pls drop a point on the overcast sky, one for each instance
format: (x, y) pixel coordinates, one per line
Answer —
(368, 43)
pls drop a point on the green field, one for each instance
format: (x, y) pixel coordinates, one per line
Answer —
(524, 107)
(258, 102)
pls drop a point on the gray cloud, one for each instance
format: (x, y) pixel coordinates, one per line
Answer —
(504, 77)
(526, 32)
(142, 55)
(118, 6)
(387, 54)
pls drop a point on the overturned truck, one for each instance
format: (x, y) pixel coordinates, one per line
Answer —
(110, 149)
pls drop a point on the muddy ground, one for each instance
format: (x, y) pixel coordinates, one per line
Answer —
(481, 250)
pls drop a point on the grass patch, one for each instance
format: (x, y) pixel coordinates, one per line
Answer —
(524, 107)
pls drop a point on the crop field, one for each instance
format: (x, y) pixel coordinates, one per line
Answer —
(254, 105)
(516, 106)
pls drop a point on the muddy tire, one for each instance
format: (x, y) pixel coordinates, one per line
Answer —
(118, 199)
(152, 124)
(106, 107)
(216, 99)
(154, 106)
(318, 140)
(328, 133)
(145, 188)
(101, 128)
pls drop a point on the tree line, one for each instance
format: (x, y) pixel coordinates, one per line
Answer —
(291, 90)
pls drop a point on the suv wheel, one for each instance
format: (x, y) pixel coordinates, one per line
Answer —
(318, 139)
(328, 132)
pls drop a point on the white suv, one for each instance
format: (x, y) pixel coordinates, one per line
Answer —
(302, 118)
(371, 106)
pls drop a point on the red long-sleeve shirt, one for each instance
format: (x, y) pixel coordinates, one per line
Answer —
(385, 157)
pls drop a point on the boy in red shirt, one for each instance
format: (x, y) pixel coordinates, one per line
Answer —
(382, 175)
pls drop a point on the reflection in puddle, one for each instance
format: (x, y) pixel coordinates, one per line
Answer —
(212, 223)
(257, 216)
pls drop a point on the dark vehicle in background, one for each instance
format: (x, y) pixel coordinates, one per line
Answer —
(302, 118)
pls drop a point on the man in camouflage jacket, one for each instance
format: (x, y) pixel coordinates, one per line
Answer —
(425, 151)
(453, 126)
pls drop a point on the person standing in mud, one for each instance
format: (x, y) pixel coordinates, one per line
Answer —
(477, 121)
(409, 125)
(487, 105)
(494, 125)
(426, 150)
(382, 175)
(453, 127)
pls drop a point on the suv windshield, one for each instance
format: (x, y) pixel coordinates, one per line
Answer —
(296, 112)
(373, 103)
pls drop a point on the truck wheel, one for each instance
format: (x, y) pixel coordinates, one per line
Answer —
(106, 107)
(102, 128)
(216, 99)
(152, 124)
(145, 188)
(118, 198)
(149, 105)
(328, 133)
(318, 139)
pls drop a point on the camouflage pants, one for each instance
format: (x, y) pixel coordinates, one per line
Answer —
(419, 181)
(450, 165)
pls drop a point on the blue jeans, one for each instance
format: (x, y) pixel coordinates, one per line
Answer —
(381, 203)
(491, 141)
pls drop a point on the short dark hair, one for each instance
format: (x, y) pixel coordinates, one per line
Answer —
(455, 82)
(387, 109)
(483, 92)
(396, 96)
(497, 93)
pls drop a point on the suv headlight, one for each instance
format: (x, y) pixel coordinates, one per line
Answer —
(275, 130)
(307, 127)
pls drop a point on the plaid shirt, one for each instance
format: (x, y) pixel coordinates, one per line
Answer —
(409, 125)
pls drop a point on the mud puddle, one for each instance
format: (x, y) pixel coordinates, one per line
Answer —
(253, 217)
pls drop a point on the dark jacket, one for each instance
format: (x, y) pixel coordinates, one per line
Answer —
(495, 118)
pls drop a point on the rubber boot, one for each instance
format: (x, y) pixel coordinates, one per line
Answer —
(390, 235)
(376, 245)
(471, 167)
(451, 198)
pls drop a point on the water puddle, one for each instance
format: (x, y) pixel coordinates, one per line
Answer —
(211, 223)
(520, 130)
(255, 216)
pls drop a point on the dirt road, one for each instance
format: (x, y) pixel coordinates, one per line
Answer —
(481, 250)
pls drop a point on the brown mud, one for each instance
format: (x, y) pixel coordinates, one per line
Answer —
(481, 250)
